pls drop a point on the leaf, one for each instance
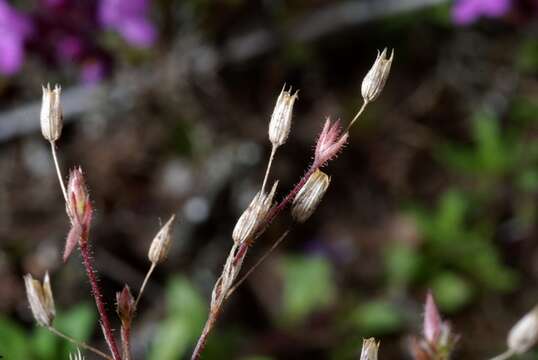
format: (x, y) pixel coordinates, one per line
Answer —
(13, 343)
(79, 322)
(403, 264)
(186, 315)
(45, 345)
(451, 291)
(308, 286)
(377, 318)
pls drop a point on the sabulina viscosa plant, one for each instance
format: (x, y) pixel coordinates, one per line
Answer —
(79, 212)
(305, 196)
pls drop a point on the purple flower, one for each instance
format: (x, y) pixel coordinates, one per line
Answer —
(466, 12)
(92, 72)
(14, 29)
(130, 19)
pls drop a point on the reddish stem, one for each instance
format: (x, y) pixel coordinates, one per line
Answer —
(126, 340)
(96, 292)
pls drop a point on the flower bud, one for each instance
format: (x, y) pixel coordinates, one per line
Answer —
(330, 142)
(79, 210)
(40, 299)
(280, 124)
(254, 216)
(524, 334)
(77, 194)
(51, 113)
(375, 80)
(158, 250)
(125, 304)
(369, 349)
(310, 195)
(432, 321)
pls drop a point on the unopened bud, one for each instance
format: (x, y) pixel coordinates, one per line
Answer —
(280, 124)
(158, 250)
(254, 216)
(310, 195)
(432, 320)
(330, 142)
(77, 194)
(524, 334)
(40, 299)
(369, 349)
(51, 113)
(375, 80)
(125, 304)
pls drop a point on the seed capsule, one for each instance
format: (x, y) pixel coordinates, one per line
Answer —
(310, 195)
(280, 124)
(375, 79)
(51, 113)
(40, 299)
(160, 246)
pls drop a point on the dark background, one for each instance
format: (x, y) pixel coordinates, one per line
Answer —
(437, 188)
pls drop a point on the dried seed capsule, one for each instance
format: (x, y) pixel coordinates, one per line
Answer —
(280, 124)
(310, 195)
(40, 299)
(158, 251)
(254, 216)
(375, 79)
(369, 349)
(51, 113)
(524, 334)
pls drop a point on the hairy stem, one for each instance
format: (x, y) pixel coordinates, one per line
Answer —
(144, 283)
(96, 292)
(78, 343)
(58, 171)
(202, 340)
(126, 340)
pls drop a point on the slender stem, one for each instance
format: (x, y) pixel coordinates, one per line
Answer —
(364, 103)
(77, 342)
(58, 171)
(126, 340)
(271, 157)
(144, 283)
(262, 259)
(96, 291)
(202, 340)
(505, 355)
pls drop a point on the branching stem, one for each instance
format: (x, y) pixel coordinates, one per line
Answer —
(78, 343)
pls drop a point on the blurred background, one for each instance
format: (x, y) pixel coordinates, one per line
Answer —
(167, 105)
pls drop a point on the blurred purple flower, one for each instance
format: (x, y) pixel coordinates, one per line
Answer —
(92, 72)
(466, 12)
(14, 30)
(69, 47)
(130, 19)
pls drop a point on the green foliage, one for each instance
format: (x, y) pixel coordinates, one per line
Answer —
(527, 57)
(15, 343)
(377, 318)
(185, 317)
(451, 291)
(308, 285)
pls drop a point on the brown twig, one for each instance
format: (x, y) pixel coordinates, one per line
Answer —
(77, 342)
